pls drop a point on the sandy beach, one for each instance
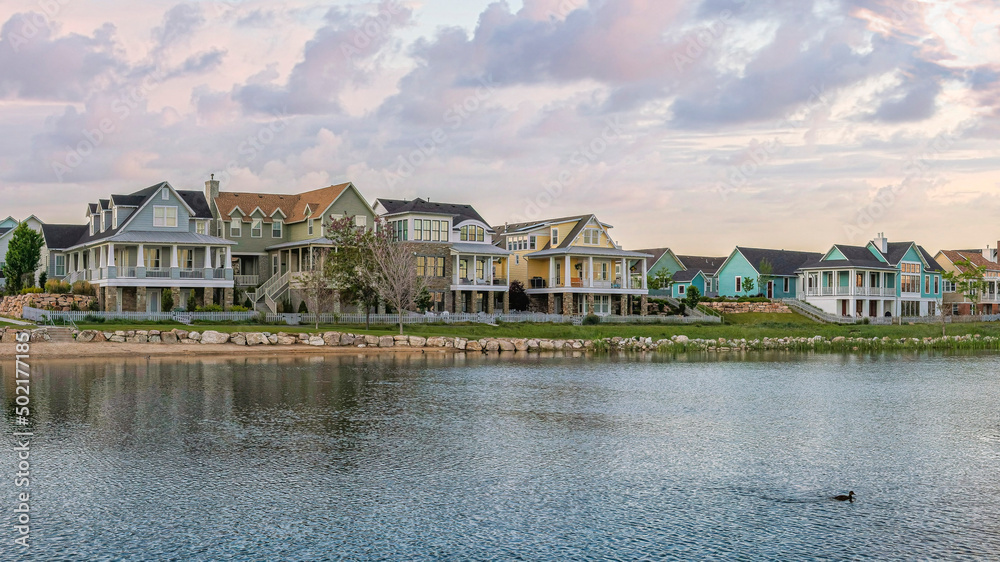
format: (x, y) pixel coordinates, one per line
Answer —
(47, 350)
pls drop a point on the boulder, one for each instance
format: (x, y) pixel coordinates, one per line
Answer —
(272, 339)
(371, 340)
(286, 340)
(85, 336)
(520, 345)
(316, 341)
(331, 338)
(168, 337)
(386, 341)
(435, 342)
(181, 334)
(211, 337)
(155, 338)
(143, 338)
(238, 338)
(117, 339)
(188, 341)
(546, 344)
(417, 341)
(347, 339)
(256, 338)
(461, 343)
(194, 336)
(491, 345)
(473, 346)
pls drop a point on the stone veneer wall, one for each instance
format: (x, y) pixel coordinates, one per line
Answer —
(743, 307)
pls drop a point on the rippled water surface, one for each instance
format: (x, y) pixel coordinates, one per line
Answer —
(523, 458)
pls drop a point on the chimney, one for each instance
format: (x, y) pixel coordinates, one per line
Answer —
(990, 253)
(881, 242)
(211, 189)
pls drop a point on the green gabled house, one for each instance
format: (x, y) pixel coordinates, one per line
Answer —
(747, 263)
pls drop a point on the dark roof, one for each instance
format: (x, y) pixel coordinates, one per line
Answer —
(857, 256)
(567, 240)
(59, 236)
(783, 262)
(5, 230)
(932, 263)
(127, 200)
(898, 249)
(657, 253)
(513, 227)
(685, 275)
(104, 204)
(458, 212)
(93, 208)
(708, 265)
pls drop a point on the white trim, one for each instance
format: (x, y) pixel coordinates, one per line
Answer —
(165, 218)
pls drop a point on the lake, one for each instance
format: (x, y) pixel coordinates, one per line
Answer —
(529, 457)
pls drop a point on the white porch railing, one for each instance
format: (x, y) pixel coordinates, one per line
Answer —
(126, 272)
(246, 280)
(158, 272)
(192, 273)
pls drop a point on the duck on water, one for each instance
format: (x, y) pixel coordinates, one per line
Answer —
(842, 498)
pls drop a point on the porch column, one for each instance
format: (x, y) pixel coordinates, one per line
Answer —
(506, 302)
(552, 274)
(590, 264)
(643, 302)
(229, 257)
(173, 256)
(103, 261)
(111, 255)
(489, 272)
(472, 274)
(454, 270)
(208, 257)
(566, 280)
(644, 273)
(625, 279)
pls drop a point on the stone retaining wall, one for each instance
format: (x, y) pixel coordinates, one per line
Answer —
(14, 306)
(744, 307)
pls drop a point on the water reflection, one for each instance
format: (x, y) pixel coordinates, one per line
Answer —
(521, 456)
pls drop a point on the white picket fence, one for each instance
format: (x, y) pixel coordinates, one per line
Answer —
(39, 315)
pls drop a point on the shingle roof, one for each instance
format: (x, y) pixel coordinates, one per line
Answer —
(783, 262)
(975, 257)
(655, 253)
(59, 236)
(898, 249)
(708, 265)
(5, 230)
(685, 275)
(458, 212)
(292, 205)
(856, 256)
(519, 226)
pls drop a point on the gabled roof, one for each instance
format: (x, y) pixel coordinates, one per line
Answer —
(292, 206)
(60, 236)
(708, 265)
(783, 262)
(898, 249)
(686, 275)
(975, 257)
(856, 256)
(655, 255)
(458, 212)
(514, 228)
(127, 200)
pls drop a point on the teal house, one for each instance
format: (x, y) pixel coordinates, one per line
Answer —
(748, 263)
(876, 280)
(665, 259)
(685, 279)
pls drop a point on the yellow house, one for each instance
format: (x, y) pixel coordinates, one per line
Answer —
(571, 265)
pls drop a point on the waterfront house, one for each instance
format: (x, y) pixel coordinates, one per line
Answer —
(571, 265)
(685, 279)
(136, 247)
(881, 278)
(748, 263)
(709, 267)
(958, 304)
(664, 259)
(276, 236)
(463, 270)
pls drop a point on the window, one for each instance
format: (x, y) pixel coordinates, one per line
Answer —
(186, 258)
(480, 269)
(739, 283)
(927, 283)
(592, 236)
(165, 194)
(165, 216)
(361, 221)
(439, 268)
(436, 231)
(276, 229)
(60, 265)
(910, 308)
(680, 289)
(421, 262)
(399, 230)
(418, 229)
(152, 258)
(236, 228)
(475, 234)
(444, 231)
(430, 266)
(555, 237)
(949, 287)
(257, 228)
(311, 226)
(531, 242)
(954, 309)
(200, 227)
(427, 230)
(786, 285)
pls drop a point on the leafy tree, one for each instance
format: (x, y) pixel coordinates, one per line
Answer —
(766, 274)
(662, 279)
(748, 285)
(394, 271)
(518, 298)
(23, 256)
(350, 265)
(970, 281)
(424, 300)
(42, 279)
(693, 296)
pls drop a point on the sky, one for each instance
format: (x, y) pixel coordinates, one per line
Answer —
(697, 125)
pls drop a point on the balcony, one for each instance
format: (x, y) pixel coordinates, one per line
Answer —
(158, 272)
(192, 273)
(127, 273)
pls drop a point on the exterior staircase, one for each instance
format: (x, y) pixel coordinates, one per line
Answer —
(60, 334)
(814, 313)
(271, 291)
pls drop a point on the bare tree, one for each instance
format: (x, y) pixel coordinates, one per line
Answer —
(317, 284)
(394, 274)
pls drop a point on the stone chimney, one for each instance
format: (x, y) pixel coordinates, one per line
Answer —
(211, 189)
(990, 253)
(881, 242)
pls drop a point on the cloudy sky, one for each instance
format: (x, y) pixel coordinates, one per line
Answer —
(697, 125)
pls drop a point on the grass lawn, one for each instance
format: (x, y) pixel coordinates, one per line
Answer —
(748, 326)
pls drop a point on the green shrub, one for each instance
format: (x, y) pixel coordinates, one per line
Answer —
(73, 307)
(303, 309)
(591, 320)
(93, 319)
(238, 308)
(209, 308)
(166, 300)
(42, 279)
(94, 306)
(31, 290)
(56, 287)
(83, 288)
(192, 303)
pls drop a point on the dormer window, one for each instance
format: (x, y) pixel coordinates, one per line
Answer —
(114, 218)
(200, 227)
(103, 225)
(555, 237)
(165, 194)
